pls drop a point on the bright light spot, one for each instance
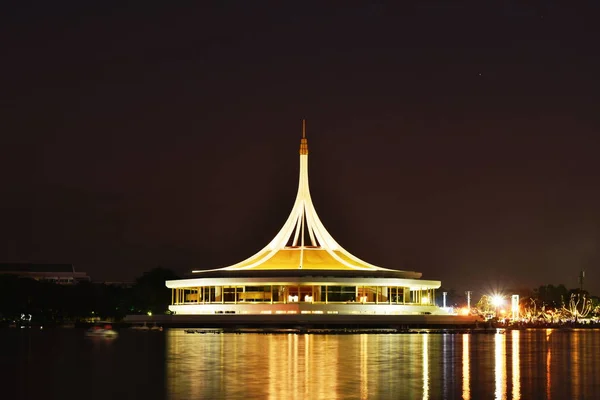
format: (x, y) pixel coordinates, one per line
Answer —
(497, 300)
(425, 300)
(464, 311)
(149, 313)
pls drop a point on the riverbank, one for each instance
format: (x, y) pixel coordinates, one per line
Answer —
(308, 324)
(307, 321)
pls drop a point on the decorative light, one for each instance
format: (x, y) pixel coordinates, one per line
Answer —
(515, 307)
(497, 300)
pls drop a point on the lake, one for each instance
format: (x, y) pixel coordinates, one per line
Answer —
(527, 364)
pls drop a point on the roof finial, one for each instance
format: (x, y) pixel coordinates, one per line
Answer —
(303, 129)
(303, 141)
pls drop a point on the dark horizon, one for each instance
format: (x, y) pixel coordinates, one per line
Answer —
(458, 140)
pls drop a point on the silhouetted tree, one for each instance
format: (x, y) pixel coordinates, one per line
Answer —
(551, 296)
(150, 291)
(453, 299)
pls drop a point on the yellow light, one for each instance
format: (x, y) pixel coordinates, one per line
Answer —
(425, 300)
(464, 311)
(149, 313)
(497, 300)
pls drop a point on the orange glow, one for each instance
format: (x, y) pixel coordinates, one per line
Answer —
(466, 383)
(516, 365)
(425, 366)
(500, 365)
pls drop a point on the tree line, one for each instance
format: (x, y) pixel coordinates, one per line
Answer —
(48, 302)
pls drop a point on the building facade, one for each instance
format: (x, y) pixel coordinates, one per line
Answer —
(303, 270)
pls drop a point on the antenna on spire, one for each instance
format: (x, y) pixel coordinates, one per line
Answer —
(303, 129)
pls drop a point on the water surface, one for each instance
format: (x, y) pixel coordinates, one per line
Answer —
(532, 364)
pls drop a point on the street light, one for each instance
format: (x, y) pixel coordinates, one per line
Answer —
(497, 301)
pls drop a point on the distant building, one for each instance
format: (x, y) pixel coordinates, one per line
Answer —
(63, 274)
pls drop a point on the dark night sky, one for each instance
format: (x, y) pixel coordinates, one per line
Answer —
(459, 139)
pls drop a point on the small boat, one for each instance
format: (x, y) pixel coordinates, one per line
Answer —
(102, 330)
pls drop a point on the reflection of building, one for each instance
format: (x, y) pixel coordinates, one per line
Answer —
(58, 273)
(303, 270)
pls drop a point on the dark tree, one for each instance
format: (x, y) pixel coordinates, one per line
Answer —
(150, 292)
(551, 296)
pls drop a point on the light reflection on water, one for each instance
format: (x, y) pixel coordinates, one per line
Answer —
(500, 366)
(466, 371)
(548, 363)
(290, 366)
(425, 363)
(516, 365)
(529, 364)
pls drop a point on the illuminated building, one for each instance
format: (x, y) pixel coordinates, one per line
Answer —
(303, 270)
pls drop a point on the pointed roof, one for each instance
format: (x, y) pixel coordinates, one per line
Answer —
(303, 242)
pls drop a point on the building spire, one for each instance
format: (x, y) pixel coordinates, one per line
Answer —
(303, 141)
(303, 242)
(303, 129)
